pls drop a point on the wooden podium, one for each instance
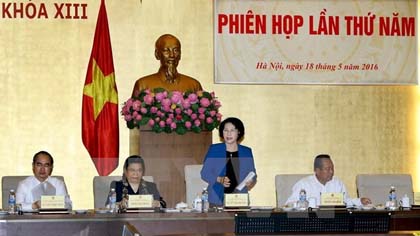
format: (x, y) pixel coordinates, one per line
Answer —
(165, 156)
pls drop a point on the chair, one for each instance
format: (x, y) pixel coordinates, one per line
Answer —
(11, 182)
(284, 184)
(101, 185)
(377, 186)
(193, 182)
(130, 230)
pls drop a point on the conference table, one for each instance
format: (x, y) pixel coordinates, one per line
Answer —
(402, 222)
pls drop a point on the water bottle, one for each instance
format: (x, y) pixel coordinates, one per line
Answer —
(205, 200)
(302, 203)
(392, 198)
(197, 203)
(12, 201)
(112, 196)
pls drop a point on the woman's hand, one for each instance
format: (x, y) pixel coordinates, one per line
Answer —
(250, 184)
(225, 181)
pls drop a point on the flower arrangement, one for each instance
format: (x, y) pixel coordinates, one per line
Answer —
(172, 111)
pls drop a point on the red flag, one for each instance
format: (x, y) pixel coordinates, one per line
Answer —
(100, 132)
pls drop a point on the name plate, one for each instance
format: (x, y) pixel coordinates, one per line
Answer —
(332, 199)
(236, 200)
(140, 201)
(416, 198)
(52, 202)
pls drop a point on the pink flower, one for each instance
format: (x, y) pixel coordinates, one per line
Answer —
(188, 124)
(125, 110)
(148, 99)
(217, 104)
(173, 125)
(193, 98)
(201, 110)
(201, 116)
(186, 103)
(135, 113)
(129, 102)
(128, 117)
(169, 121)
(139, 117)
(160, 96)
(166, 108)
(193, 116)
(205, 102)
(189, 112)
(176, 97)
(157, 119)
(171, 116)
(161, 114)
(162, 124)
(213, 113)
(151, 122)
(143, 110)
(197, 122)
(209, 120)
(178, 111)
(153, 110)
(136, 105)
(212, 94)
(166, 102)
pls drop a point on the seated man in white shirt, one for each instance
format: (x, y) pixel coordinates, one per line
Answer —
(30, 190)
(323, 181)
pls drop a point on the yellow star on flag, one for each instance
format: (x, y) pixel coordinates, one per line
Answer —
(102, 89)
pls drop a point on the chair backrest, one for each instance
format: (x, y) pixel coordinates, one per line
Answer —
(193, 182)
(101, 185)
(284, 184)
(130, 230)
(377, 186)
(11, 182)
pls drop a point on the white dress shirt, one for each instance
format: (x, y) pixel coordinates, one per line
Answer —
(25, 193)
(314, 189)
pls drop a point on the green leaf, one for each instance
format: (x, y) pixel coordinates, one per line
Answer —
(181, 129)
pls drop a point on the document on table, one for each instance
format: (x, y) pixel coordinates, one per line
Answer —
(247, 178)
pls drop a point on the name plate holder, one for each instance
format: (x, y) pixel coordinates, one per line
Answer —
(332, 201)
(53, 205)
(416, 201)
(140, 201)
(236, 202)
(52, 202)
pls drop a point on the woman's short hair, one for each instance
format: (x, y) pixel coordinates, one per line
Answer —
(235, 122)
(134, 159)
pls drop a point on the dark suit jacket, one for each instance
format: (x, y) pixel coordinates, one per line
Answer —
(144, 188)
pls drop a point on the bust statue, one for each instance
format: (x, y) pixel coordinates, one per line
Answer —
(168, 52)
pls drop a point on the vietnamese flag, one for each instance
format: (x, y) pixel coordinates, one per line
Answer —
(100, 132)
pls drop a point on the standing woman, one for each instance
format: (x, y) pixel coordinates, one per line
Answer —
(133, 182)
(227, 164)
